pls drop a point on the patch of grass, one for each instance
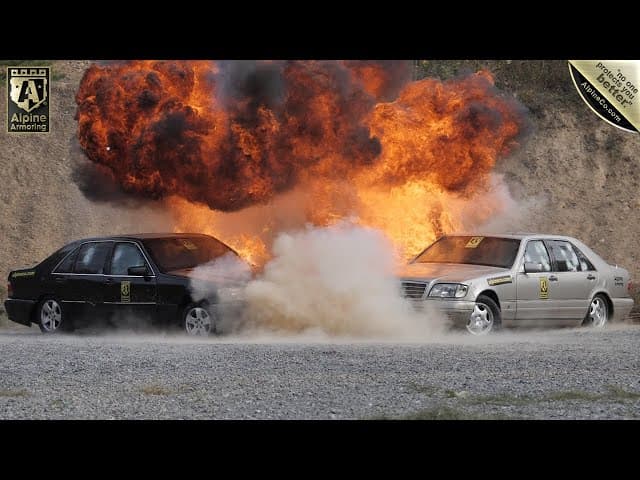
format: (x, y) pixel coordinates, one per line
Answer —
(448, 413)
(156, 390)
(14, 393)
(504, 399)
(573, 395)
(441, 412)
(614, 393)
(618, 393)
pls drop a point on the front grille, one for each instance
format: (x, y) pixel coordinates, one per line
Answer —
(414, 290)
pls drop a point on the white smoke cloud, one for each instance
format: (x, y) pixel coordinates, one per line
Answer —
(226, 275)
(512, 216)
(338, 281)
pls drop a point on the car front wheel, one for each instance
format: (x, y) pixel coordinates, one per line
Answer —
(198, 320)
(485, 316)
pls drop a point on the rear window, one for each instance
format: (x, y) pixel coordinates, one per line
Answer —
(568, 257)
(67, 264)
(490, 251)
(91, 257)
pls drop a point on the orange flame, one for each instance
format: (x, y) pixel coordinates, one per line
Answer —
(245, 150)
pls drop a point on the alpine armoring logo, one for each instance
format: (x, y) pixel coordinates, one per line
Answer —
(28, 102)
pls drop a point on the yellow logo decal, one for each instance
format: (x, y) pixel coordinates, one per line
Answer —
(125, 291)
(28, 99)
(474, 242)
(189, 245)
(23, 274)
(544, 287)
(499, 280)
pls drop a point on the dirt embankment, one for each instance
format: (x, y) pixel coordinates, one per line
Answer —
(578, 174)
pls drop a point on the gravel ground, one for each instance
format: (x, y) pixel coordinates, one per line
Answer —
(551, 374)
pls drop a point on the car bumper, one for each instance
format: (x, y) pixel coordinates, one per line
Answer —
(621, 308)
(456, 311)
(19, 311)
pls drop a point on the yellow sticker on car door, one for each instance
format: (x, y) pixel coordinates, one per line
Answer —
(544, 288)
(125, 291)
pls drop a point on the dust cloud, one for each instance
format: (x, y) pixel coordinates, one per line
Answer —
(336, 281)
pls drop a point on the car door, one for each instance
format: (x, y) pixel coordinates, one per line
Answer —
(83, 289)
(130, 297)
(534, 291)
(575, 279)
(59, 285)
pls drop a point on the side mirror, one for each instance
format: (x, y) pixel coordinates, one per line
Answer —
(138, 271)
(532, 267)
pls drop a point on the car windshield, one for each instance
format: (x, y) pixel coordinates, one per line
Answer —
(176, 253)
(491, 251)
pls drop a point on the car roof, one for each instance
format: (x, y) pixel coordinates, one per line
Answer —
(516, 236)
(143, 236)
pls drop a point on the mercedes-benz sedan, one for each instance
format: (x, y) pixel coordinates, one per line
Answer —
(485, 282)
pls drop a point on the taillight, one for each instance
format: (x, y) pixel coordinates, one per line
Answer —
(9, 290)
(629, 286)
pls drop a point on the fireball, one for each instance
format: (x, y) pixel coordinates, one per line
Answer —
(243, 150)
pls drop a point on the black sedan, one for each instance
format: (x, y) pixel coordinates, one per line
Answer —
(148, 276)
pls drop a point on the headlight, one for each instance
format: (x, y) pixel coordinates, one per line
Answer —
(448, 290)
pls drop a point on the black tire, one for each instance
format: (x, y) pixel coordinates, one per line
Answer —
(51, 316)
(599, 312)
(483, 302)
(199, 319)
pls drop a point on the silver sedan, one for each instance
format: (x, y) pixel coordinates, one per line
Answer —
(487, 281)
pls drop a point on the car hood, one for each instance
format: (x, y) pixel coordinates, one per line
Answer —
(451, 272)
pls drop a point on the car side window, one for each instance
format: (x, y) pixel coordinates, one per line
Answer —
(66, 266)
(536, 252)
(565, 256)
(126, 255)
(92, 257)
(585, 264)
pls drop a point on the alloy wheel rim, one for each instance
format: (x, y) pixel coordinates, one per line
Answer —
(198, 321)
(51, 315)
(598, 312)
(481, 319)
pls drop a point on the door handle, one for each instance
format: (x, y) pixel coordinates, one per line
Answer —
(60, 279)
(591, 277)
(553, 278)
(109, 281)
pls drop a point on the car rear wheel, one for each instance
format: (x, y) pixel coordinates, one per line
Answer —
(598, 314)
(198, 320)
(485, 316)
(51, 316)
